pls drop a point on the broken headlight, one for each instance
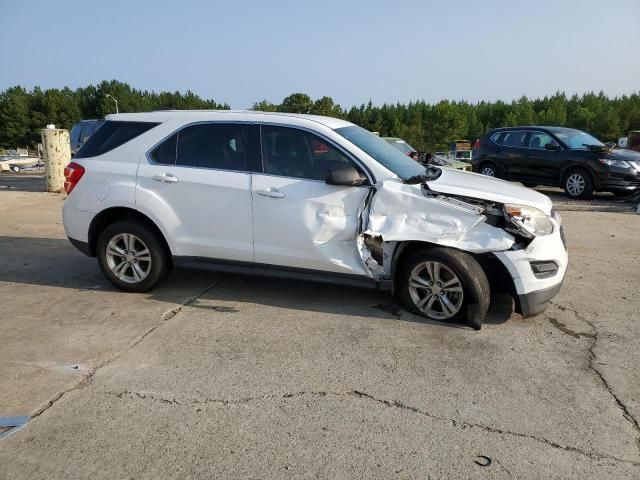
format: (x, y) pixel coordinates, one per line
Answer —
(526, 221)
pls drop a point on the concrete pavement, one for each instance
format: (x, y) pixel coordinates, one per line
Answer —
(236, 377)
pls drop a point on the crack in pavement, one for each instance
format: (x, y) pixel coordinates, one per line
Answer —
(87, 378)
(460, 424)
(592, 357)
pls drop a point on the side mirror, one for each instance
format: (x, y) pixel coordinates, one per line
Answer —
(345, 175)
(551, 146)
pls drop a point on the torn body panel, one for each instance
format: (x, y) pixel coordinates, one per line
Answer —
(402, 212)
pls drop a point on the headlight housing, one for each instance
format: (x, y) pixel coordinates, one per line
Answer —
(526, 221)
(615, 163)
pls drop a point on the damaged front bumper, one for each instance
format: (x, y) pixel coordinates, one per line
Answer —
(537, 271)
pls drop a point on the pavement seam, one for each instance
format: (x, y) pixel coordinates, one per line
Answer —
(460, 424)
(87, 378)
(592, 357)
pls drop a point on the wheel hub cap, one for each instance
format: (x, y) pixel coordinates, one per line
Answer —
(128, 258)
(436, 290)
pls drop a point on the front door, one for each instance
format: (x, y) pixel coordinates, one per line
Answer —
(299, 220)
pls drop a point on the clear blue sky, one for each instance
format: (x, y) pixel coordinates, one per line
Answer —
(241, 51)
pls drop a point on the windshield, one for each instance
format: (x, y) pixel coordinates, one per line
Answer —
(377, 148)
(401, 145)
(577, 140)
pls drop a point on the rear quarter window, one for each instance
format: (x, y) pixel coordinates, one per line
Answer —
(111, 135)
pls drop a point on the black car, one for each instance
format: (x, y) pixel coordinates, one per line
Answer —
(557, 156)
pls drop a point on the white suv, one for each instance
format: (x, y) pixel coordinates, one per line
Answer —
(307, 197)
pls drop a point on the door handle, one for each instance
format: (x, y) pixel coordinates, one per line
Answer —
(166, 178)
(271, 192)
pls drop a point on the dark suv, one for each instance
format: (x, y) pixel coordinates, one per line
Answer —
(557, 156)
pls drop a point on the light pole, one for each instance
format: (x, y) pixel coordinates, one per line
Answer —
(114, 99)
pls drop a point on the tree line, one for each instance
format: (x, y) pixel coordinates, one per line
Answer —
(426, 126)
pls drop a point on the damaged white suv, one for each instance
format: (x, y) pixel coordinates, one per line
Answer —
(300, 196)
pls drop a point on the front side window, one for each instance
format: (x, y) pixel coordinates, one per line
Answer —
(289, 152)
(111, 135)
(220, 146)
(538, 140)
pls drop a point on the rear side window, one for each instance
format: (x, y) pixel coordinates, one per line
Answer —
(220, 146)
(112, 134)
(514, 139)
(165, 153)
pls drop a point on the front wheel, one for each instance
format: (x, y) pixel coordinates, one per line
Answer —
(444, 284)
(578, 184)
(132, 257)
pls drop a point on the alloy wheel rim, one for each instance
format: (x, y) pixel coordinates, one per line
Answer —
(575, 184)
(435, 290)
(488, 171)
(128, 258)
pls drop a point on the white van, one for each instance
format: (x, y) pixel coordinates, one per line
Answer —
(306, 197)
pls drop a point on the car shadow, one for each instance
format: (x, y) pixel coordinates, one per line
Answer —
(51, 262)
(22, 182)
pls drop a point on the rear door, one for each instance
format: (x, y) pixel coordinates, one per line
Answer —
(197, 184)
(299, 220)
(513, 154)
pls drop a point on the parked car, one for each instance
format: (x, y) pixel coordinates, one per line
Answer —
(557, 156)
(306, 197)
(403, 146)
(81, 132)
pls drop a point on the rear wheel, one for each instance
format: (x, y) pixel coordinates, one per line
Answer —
(578, 184)
(489, 169)
(444, 284)
(132, 257)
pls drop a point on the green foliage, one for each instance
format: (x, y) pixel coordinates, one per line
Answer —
(23, 113)
(427, 127)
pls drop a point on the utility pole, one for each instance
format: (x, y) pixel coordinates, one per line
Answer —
(114, 99)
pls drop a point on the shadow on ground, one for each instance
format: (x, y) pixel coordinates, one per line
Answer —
(22, 183)
(55, 263)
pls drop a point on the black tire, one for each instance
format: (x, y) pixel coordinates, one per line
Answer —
(159, 265)
(489, 165)
(574, 175)
(530, 185)
(475, 286)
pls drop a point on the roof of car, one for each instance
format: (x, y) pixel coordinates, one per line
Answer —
(539, 127)
(231, 115)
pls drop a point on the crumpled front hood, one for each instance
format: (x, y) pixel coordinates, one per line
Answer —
(458, 182)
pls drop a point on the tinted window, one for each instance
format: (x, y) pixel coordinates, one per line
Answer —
(112, 134)
(514, 139)
(537, 140)
(165, 153)
(289, 152)
(496, 137)
(75, 133)
(222, 146)
(388, 156)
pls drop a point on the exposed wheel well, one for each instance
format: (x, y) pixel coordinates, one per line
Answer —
(500, 280)
(115, 214)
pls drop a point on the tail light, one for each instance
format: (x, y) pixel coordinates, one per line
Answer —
(72, 174)
(477, 144)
